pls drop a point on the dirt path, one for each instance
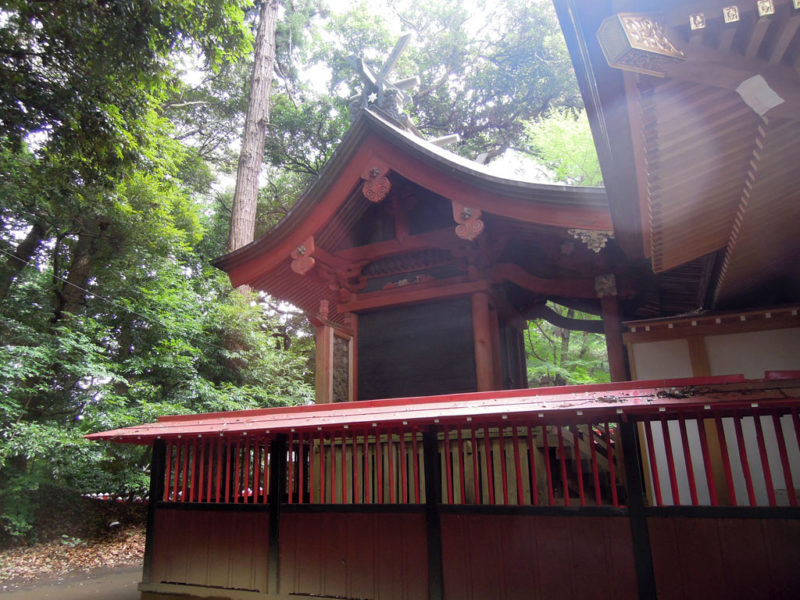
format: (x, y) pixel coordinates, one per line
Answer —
(111, 584)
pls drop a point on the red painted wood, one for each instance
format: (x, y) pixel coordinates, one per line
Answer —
(712, 487)
(782, 541)
(379, 460)
(548, 469)
(461, 476)
(651, 461)
(519, 557)
(219, 470)
(168, 471)
(211, 548)
(762, 451)
(611, 468)
(748, 478)
(562, 459)
(636, 398)
(787, 471)
(532, 466)
(487, 457)
(184, 472)
(193, 471)
(237, 471)
(687, 458)
(416, 465)
(344, 466)
(578, 468)
(246, 469)
(598, 497)
(390, 460)
(202, 468)
(290, 466)
(673, 477)
(448, 463)
(726, 461)
(301, 445)
(228, 453)
(517, 465)
(503, 466)
(403, 467)
(354, 555)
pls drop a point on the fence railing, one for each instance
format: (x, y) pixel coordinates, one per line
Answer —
(747, 456)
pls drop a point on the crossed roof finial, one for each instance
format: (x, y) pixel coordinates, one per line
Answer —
(378, 90)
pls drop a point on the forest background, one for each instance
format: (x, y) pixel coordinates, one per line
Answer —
(119, 128)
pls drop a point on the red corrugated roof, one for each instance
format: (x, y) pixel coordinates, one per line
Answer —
(544, 403)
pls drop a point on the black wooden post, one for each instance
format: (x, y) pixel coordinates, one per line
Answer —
(277, 489)
(157, 476)
(640, 534)
(433, 492)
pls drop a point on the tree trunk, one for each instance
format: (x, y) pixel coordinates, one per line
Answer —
(21, 257)
(70, 296)
(245, 197)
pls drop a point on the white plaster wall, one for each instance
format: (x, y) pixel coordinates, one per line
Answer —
(661, 360)
(753, 353)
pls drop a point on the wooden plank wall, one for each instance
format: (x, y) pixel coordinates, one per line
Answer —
(510, 557)
(725, 558)
(225, 549)
(380, 556)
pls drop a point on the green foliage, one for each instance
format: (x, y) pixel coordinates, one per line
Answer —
(563, 141)
(559, 356)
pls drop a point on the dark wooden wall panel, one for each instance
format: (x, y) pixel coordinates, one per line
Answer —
(226, 549)
(416, 350)
(727, 558)
(378, 556)
(510, 557)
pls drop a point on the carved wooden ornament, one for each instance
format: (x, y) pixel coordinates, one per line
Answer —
(469, 221)
(376, 184)
(302, 261)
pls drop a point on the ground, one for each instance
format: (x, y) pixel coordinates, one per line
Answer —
(75, 536)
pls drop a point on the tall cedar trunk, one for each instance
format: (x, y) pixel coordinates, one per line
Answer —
(70, 296)
(21, 257)
(245, 197)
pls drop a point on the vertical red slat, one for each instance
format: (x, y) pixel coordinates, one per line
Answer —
(257, 469)
(379, 460)
(356, 495)
(228, 451)
(548, 470)
(344, 467)
(787, 471)
(673, 477)
(236, 488)
(185, 473)
(687, 457)
(517, 464)
(462, 477)
(193, 470)
(487, 443)
(210, 469)
(648, 436)
(503, 467)
(562, 456)
(202, 468)
(332, 438)
(265, 472)
(598, 496)
(611, 465)
(167, 472)
(322, 466)
(301, 482)
(762, 450)
(448, 464)
(578, 466)
(219, 470)
(290, 468)
(367, 469)
(416, 465)
(246, 486)
(745, 462)
(403, 467)
(475, 471)
(726, 459)
(390, 461)
(311, 485)
(712, 487)
(532, 466)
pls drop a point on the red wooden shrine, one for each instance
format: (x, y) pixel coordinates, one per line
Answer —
(426, 469)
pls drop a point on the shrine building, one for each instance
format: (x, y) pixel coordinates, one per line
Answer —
(427, 469)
